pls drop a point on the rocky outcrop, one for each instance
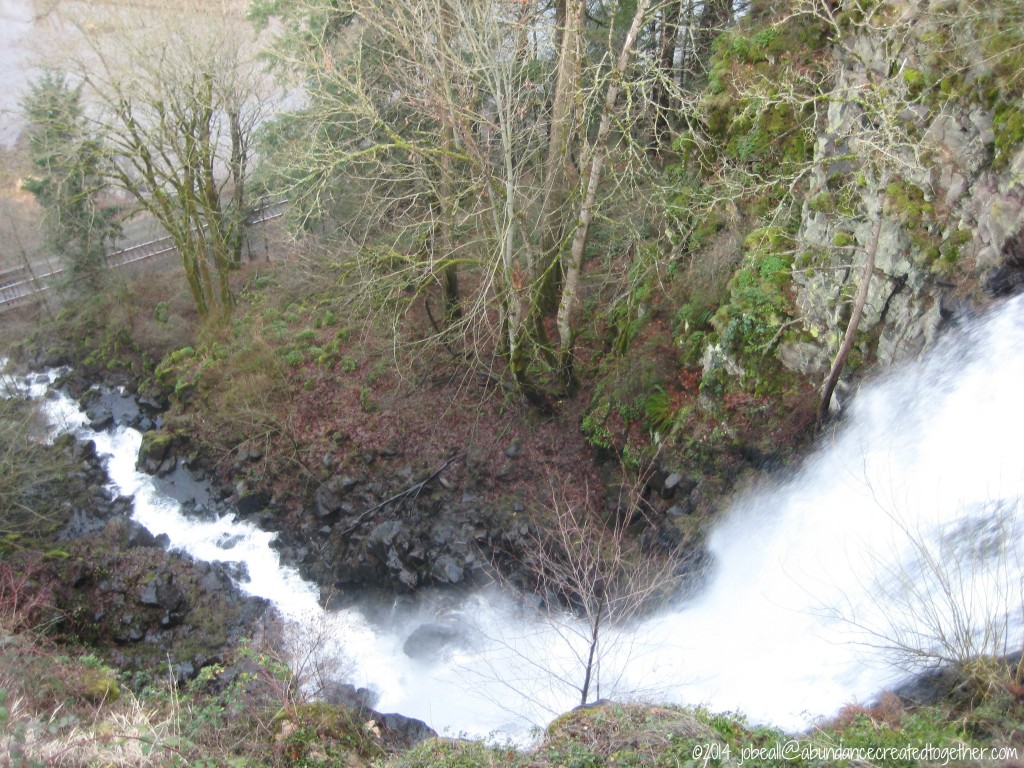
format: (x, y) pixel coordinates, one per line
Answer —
(952, 207)
(367, 532)
(115, 586)
(120, 589)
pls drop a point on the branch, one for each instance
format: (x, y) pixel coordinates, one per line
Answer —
(412, 490)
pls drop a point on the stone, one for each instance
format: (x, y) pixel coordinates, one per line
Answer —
(383, 536)
(427, 641)
(676, 512)
(446, 571)
(161, 592)
(251, 502)
(331, 494)
(154, 451)
(406, 731)
(803, 357)
(347, 695)
(140, 536)
(183, 672)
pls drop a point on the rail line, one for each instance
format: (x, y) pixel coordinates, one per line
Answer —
(21, 285)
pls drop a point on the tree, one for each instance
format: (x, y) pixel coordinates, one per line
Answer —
(173, 103)
(592, 580)
(71, 179)
(474, 139)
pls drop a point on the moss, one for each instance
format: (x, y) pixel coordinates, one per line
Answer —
(823, 202)
(915, 81)
(156, 445)
(1008, 125)
(907, 202)
(844, 239)
(98, 684)
(759, 303)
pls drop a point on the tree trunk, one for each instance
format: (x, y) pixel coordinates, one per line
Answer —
(858, 310)
(546, 274)
(574, 267)
(235, 233)
(592, 658)
(663, 89)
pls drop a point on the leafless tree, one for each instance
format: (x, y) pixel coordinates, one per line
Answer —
(174, 99)
(589, 580)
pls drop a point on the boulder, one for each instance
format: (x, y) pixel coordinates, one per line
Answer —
(446, 571)
(251, 502)
(331, 495)
(161, 592)
(427, 641)
(405, 731)
(347, 695)
(154, 451)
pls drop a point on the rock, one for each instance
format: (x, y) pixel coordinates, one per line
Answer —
(678, 511)
(161, 592)
(99, 419)
(929, 687)
(382, 538)
(408, 579)
(227, 541)
(446, 571)
(803, 357)
(154, 452)
(139, 535)
(330, 496)
(405, 731)
(428, 640)
(85, 450)
(346, 695)
(514, 449)
(251, 502)
(183, 672)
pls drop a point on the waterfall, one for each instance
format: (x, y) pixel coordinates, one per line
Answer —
(895, 546)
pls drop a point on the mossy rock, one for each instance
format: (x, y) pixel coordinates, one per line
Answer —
(611, 730)
(156, 446)
(318, 731)
(98, 685)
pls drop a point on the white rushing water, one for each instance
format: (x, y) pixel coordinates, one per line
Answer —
(902, 527)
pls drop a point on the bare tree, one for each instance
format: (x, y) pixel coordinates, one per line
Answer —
(589, 580)
(948, 595)
(477, 137)
(174, 99)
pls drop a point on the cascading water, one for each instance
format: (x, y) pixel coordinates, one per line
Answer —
(898, 542)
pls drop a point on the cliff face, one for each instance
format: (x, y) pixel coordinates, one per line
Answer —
(923, 129)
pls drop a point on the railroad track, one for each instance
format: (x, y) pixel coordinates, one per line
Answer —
(21, 285)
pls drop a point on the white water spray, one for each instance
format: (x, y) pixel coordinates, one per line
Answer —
(904, 526)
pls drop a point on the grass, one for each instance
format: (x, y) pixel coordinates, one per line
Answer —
(247, 712)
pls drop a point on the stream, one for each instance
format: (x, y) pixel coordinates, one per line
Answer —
(896, 543)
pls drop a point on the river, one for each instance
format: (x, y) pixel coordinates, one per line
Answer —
(897, 543)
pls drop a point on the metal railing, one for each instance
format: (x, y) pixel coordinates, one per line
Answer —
(20, 284)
